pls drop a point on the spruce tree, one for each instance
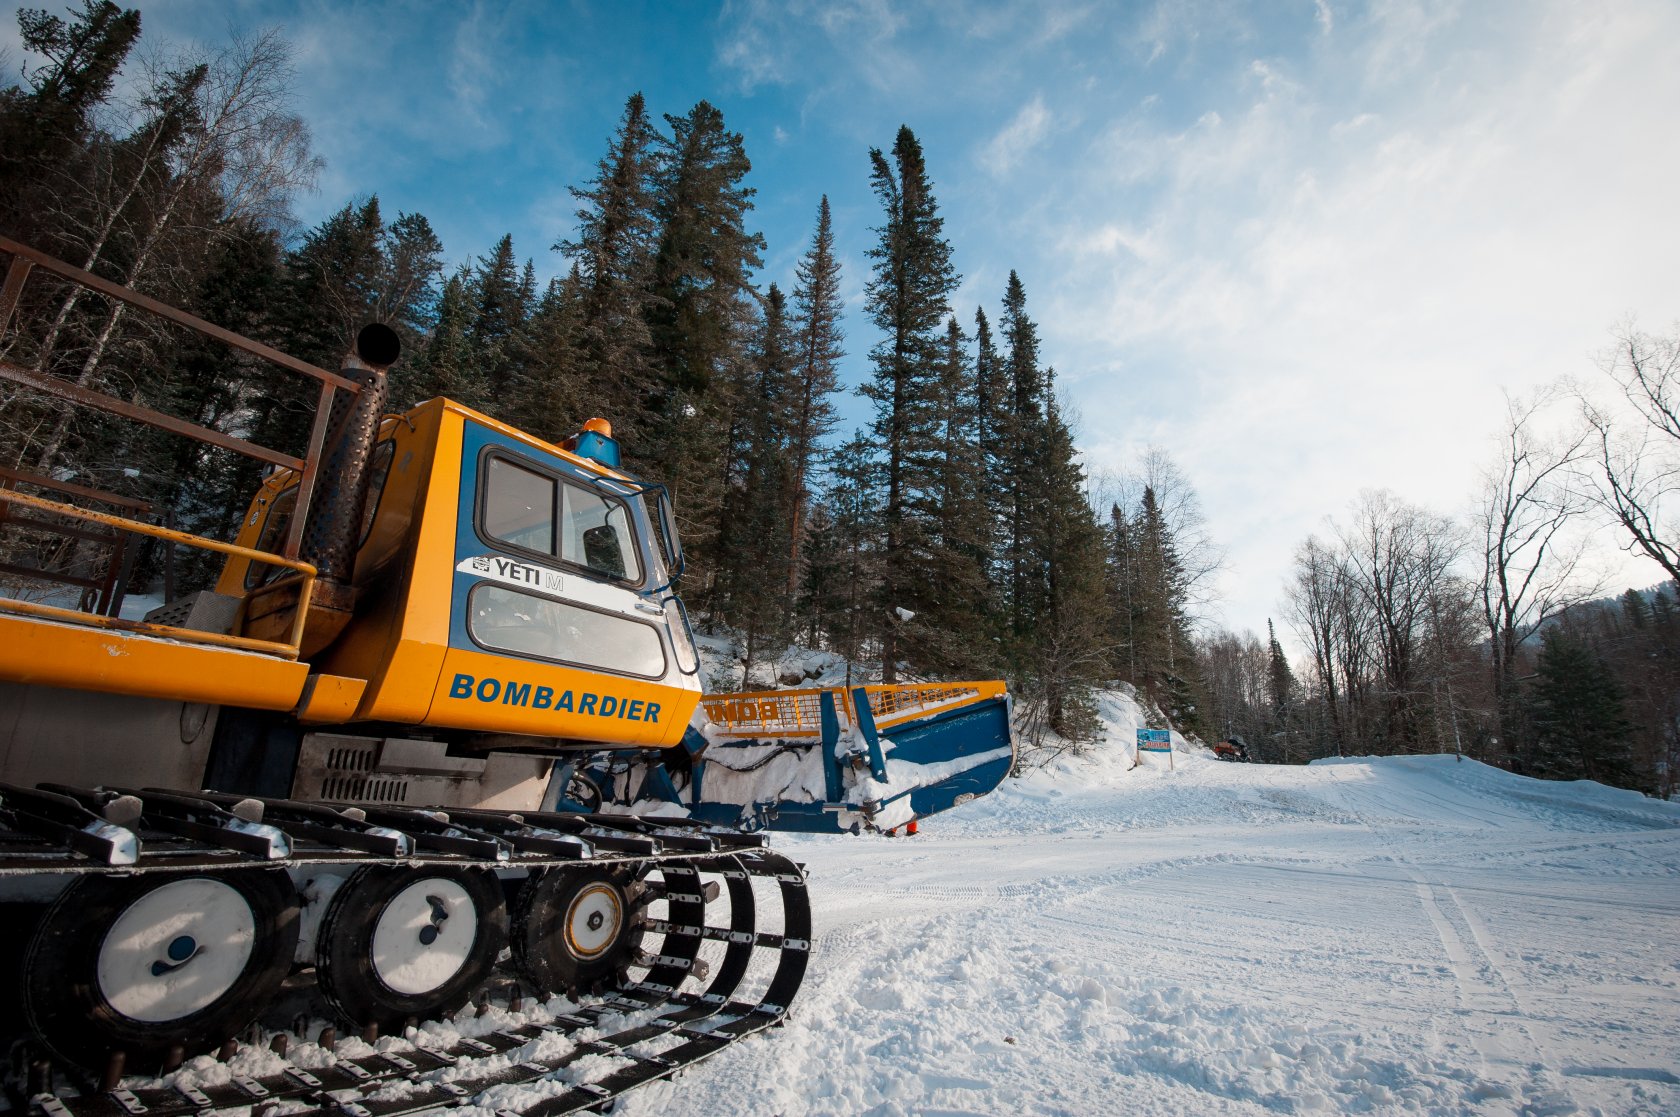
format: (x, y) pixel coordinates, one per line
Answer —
(700, 316)
(612, 253)
(817, 310)
(1638, 614)
(820, 606)
(1022, 432)
(1280, 686)
(499, 334)
(752, 587)
(955, 633)
(446, 366)
(1069, 646)
(1165, 653)
(554, 401)
(855, 498)
(1580, 714)
(701, 268)
(334, 279)
(45, 124)
(409, 289)
(991, 437)
(908, 301)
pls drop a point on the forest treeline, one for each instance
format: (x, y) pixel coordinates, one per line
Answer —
(1491, 634)
(954, 534)
(950, 536)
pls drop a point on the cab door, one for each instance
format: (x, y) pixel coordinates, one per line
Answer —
(555, 628)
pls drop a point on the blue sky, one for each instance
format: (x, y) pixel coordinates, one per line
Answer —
(1301, 246)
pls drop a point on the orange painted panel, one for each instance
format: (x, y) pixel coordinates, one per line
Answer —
(66, 655)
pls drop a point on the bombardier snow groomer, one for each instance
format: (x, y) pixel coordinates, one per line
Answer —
(355, 775)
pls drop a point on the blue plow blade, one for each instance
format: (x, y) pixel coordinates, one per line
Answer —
(844, 782)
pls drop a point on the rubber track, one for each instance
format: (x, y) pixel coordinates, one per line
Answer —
(34, 830)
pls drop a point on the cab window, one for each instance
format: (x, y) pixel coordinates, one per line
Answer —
(519, 507)
(272, 539)
(509, 620)
(537, 512)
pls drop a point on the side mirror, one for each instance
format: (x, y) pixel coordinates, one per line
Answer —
(669, 543)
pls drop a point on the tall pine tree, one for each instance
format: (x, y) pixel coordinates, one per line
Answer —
(817, 309)
(908, 301)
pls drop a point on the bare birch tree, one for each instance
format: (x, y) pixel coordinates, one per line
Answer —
(1532, 556)
(221, 132)
(1636, 445)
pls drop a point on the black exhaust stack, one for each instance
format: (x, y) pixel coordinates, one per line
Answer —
(332, 532)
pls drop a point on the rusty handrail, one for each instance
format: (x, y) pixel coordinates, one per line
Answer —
(26, 259)
(145, 302)
(64, 389)
(24, 477)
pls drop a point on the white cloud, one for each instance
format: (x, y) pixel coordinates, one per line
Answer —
(1326, 18)
(1324, 290)
(763, 42)
(1017, 139)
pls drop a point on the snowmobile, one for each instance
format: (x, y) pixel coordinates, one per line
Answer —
(355, 773)
(1234, 749)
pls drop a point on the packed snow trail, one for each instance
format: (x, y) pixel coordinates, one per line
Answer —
(1399, 935)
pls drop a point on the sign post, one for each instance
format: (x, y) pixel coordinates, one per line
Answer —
(1154, 740)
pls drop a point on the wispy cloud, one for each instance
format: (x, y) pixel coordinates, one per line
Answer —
(1340, 272)
(1017, 139)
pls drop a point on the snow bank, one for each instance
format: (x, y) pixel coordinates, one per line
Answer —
(1378, 935)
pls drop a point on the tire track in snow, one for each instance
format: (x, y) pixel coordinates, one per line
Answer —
(1498, 1020)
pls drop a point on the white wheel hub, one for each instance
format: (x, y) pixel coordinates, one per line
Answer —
(424, 936)
(176, 950)
(593, 919)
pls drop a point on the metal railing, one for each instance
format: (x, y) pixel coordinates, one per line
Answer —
(26, 259)
(797, 713)
(102, 607)
(103, 584)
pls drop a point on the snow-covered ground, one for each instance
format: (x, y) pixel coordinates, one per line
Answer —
(1400, 935)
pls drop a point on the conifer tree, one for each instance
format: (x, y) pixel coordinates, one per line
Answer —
(954, 629)
(1281, 687)
(1122, 583)
(446, 366)
(499, 333)
(1638, 614)
(701, 268)
(613, 256)
(1161, 628)
(555, 402)
(1022, 434)
(855, 498)
(409, 289)
(334, 282)
(991, 422)
(820, 606)
(1580, 714)
(752, 587)
(46, 123)
(700, 316)
(908, 301)
(817, 310)
(1069, 648)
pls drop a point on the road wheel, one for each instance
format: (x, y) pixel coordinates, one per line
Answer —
(397, 943)
(572, 929)
(145, 963)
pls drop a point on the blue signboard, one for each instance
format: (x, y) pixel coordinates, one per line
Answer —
(1154, 740)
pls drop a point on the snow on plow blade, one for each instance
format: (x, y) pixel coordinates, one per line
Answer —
(832, 760)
